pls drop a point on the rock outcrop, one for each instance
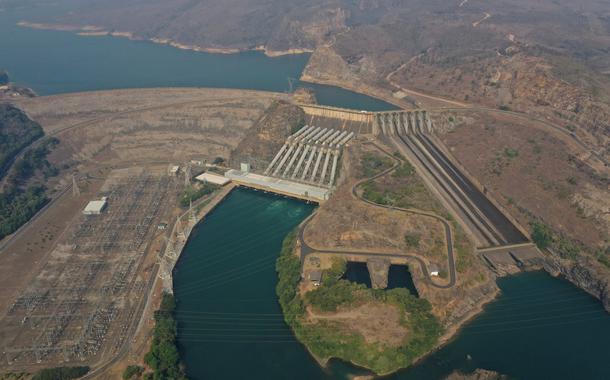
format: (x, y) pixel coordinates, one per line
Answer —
(478, 374)
(584, 273)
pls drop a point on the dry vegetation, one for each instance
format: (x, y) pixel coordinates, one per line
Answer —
(501, 152)
(562, 200)
(347, 223)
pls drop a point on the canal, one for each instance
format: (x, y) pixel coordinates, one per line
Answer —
(230, 325)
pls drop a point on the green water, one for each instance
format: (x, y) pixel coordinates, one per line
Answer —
(54, 62)
(230, 325)
(539, 328)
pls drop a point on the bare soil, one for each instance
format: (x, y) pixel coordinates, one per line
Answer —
(376, 322)
(502, 152)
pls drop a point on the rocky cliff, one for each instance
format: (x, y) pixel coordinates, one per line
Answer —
(584, 273)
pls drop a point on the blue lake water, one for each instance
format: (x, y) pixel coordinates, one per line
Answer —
(54, 62)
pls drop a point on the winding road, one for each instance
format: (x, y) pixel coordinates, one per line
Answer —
(306, 249)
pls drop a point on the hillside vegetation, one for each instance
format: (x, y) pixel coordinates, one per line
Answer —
(412, 323)
(17, 131)
(24, 189)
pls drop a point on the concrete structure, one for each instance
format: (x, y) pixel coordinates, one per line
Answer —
(412, 135)
(215, 179)
(337, 113)
(378, 270)
(434, 271)
(245, 167)
(402, 123)
(96, 207)
(311, 155)
(315, 276)
(279, 186)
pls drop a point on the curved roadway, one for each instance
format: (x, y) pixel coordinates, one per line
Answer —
(306, 249)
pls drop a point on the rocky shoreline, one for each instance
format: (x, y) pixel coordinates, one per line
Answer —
(97, 31)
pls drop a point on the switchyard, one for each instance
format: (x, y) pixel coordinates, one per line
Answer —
(82, 303)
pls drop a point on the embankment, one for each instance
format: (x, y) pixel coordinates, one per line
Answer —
(182, 231)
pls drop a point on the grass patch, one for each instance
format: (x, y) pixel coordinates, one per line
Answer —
(407, 192)
(132, 372)
(194, 192)
(61, 373)
(404, 170)
(327, 339)
(463, 248)
(603, 256)
(511, 153)
(372, 164)
(541, 234)
(412, 239)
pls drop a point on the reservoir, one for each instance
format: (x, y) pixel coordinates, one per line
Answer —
(230, 324)
(53, 62)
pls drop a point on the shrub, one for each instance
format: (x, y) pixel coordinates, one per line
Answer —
(132, 371)
(61, 373)
(163, 357)
(511, 153)
(373, 164)
(412, 239)
(192, 193)
(541, 234)
(404, 170)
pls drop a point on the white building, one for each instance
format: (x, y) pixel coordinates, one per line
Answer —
(245, 167)
(96, 207)
(215, 179)
(433, 270)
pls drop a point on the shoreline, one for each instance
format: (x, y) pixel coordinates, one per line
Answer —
(97, 31)
(366, 90)
(178, 240)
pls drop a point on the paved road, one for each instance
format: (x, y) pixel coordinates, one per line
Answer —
(306, 249)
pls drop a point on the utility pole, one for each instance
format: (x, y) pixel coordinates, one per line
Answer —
(75, 189)
(187, 175)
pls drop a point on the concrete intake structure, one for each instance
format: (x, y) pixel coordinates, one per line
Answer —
(311, 156)
(393, 123)
(411, 132)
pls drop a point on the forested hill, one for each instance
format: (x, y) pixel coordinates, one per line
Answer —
(23, 175)
(17, 131)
